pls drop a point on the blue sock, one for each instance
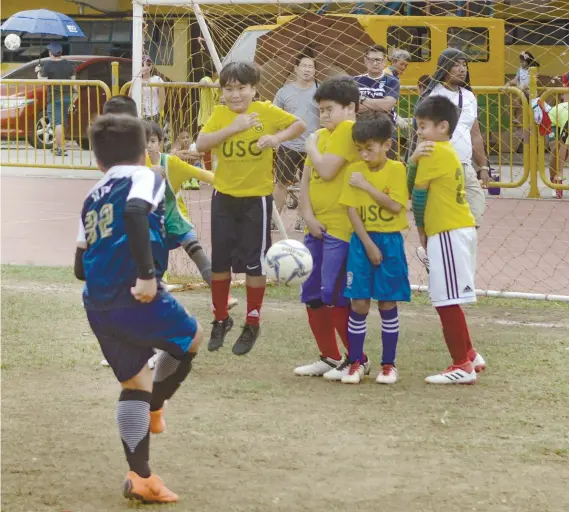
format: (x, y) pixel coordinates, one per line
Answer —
(356, 336)
(389, 334)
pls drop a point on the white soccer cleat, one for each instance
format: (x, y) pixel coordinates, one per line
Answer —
(355, 375)
(421, 253)
(318, 368)
(388, 375)
(453, 375)
(479, 363)
(343, 369)
(105, 363)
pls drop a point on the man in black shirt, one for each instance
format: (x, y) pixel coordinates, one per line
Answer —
(58, 97)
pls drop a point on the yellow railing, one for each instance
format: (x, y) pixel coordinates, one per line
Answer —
(559, 95)
(503, 135)
(43, 121)
(178, 107)
(505, 118)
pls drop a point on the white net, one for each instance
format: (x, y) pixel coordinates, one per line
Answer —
(523, 243)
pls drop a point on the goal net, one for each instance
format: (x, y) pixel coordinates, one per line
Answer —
(522, 243)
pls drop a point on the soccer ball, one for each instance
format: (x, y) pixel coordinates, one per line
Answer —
(289, 262)
(12, 42)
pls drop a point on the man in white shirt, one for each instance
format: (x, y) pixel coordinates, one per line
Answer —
(451, 79)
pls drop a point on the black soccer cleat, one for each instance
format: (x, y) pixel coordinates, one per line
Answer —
(218, 333)
(246, 340)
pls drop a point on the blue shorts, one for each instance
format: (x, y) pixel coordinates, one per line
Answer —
(127, 336)
(176, 241)
(388, 281)
(54, 108)
(328, 278)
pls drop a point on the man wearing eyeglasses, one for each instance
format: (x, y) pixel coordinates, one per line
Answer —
(378, 90)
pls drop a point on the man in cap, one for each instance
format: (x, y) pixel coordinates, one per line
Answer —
(58, 97)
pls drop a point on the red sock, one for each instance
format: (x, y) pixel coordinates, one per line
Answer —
(339, 317)
(323, 331)
(254, 303)
(219, 297)
(455, 332)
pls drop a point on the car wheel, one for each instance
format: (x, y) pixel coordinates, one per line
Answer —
(43, 135)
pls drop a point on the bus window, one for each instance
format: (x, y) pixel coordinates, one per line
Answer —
(416, 40)
(472, 41)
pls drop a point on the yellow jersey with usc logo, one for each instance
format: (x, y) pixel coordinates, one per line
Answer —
(241, 168)
(325, 195)
(391, 180)
(447, 208)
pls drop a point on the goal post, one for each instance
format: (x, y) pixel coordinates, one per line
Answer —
(189, 41)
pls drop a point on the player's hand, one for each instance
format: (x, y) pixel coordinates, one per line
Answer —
(188, 155)
(245, 121)
(311, 141)
(144, 290)
(374, 254)
(423, 240)
(160, 169)
(315, 228)
(268, 141)
(357, 179)
(484, 176)
(424, 148)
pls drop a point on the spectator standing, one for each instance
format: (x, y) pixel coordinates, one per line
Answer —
(153, 98)
(58, 97)
(296, 98)
(378, 90)
(399, 62)
(452, 80)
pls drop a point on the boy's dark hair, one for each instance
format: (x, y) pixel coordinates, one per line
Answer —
(154, 129)
(438, 109)
(376, 126)
(118, 139)
(424, 81)
(121, 105)
(376, 48)
(245, 73)
(342, 90)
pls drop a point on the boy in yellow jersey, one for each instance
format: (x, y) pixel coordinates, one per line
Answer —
(376, 196)
(242, 134)
(329, 151)
(447, 229)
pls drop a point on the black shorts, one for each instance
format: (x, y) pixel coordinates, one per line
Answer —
(290, 163)
(240, 233)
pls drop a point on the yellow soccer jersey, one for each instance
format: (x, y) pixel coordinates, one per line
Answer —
(325, 195)
(447, 208)
(178, 171)
(242, 169)
(391, 180)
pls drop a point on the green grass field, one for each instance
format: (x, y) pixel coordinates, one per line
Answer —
(245, 434)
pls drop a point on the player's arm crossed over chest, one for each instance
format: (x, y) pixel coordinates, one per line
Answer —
(419, 186)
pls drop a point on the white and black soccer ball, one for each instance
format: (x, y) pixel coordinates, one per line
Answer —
(289, 262)
(12, 42)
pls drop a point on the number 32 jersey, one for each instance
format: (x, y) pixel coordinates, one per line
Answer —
(110, 270)
(447, 208)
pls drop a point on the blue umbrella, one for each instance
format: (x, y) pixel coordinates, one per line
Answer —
(42, 21)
